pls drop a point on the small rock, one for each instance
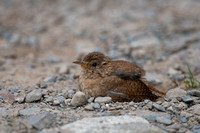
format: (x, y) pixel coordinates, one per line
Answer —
(49, 99)
(52, 78)
(159, 107)
(182, 105)
(165, 104)
(56, 102)
(68, 101)
(176, 92)
(194, 93)
(183, 119)
(30, 111)
(149, 105)
(160, 117)
(20, 98)
(154, 79)
(119, 107)
(89, 107)
(91, 99)
(131, 103)
(164, 121)
(187, 99)
(96, 106)
(78, 99)
(103, 100)
(196, 129)
(41, 121)
(33, 96)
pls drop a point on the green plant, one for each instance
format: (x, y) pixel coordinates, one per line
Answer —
(192, 82)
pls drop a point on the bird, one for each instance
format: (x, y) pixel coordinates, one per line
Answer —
(121, 80)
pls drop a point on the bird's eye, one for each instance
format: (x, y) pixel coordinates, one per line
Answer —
(94, 64)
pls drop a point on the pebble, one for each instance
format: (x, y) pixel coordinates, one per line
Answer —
(56, 102)
(49, 99)
(159, 107)
(182, 105)
(78, 99)
(91, 99)
(41, 121)
(33, 96)
(96, 106)
(52, 78)
(119, 107)
(103, 100)
(149, 105)
(20, 98)
(29, 111)
(89, 107)
(176, 92)
(194, 93)
(187, 99)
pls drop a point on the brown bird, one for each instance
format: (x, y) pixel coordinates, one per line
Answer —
(121, 80)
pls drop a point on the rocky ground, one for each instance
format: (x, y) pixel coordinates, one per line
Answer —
(38, 82)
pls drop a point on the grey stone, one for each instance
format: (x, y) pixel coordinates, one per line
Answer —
(159, 107)
(176, 92)
(41, 121)
(96, 106)
(49, 99)
(194, 93)
(91, 99)
(119, 107)
(154, 79)
(89, 107)
(103, 100)
(187, 99)
(52, 78)
(30, 111)
(165, 121)
(20, 98)
(79, 99)
(160, 117)
(196, 129)
(111, 124)
(33, 96)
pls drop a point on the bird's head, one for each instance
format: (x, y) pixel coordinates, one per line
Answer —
(94, 63)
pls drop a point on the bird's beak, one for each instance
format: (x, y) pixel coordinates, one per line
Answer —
(80, 63)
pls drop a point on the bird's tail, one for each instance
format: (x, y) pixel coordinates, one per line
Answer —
(157, 92)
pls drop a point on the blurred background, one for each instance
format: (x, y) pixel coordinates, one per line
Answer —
(41, 38)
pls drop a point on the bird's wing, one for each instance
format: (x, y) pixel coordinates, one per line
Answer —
(126, 90)
(128, 71)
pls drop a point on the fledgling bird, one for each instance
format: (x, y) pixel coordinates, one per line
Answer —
(121, 80)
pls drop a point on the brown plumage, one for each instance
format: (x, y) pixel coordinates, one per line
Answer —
(118, 79)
